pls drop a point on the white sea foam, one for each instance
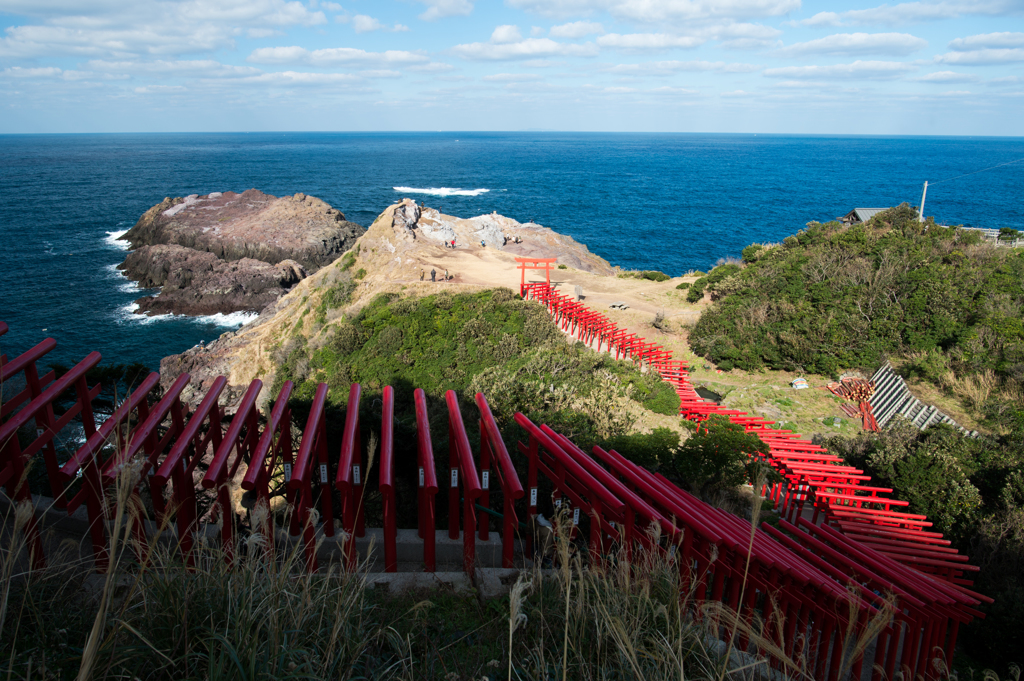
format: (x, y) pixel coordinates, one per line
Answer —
(441, 191)
(232, 320)
(112, 239)
(127, 314)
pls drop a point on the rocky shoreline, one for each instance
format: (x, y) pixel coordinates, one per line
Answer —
(228, 252)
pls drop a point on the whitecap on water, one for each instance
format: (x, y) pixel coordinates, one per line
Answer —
(112, 240)
(441, 191)
(232, 320)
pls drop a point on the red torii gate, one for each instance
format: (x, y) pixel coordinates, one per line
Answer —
(536, 265)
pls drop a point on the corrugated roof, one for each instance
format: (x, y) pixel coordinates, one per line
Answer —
(865, 214)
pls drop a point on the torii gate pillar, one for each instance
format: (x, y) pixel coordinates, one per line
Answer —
(535, 264)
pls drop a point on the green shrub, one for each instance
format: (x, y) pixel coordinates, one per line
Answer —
(750, 253)
(841, 296)
(696, 292)
(716, 456)
(562, 267)
(654, 275)
(646, 449)
(683, 286)
(348, 260)
(360, 273)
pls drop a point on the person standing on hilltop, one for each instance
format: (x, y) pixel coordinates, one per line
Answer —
(433, 274)
(446, 277)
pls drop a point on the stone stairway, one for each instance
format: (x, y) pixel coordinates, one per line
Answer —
(892, 397)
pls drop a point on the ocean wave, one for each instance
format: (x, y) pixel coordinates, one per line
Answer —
(127, 314)
(232, 319)
(112, 240)
(441, 191)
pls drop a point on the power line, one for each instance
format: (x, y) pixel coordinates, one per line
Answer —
(976, 171)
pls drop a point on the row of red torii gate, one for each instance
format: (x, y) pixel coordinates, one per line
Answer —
(825, 574)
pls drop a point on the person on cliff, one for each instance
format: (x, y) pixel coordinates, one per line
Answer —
(446, 277)
(433, 274)
(453, 243)
(422, 274)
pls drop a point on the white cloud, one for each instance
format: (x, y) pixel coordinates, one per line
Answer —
(432, 67)
(332, 7)
(982, 57)
(857, 43)
(54, 73)
(261, 32)
(531, 48)
(121, 28)
(301, 78)
(576, 29)
(632, 42)
(661, 11)
(536, 31)
(949, 77)
(872, 70)
(734, 94)
(511, 77)
(506, 34)
(381, 73)
(744, 36)
(160, 89)
(439, 9)
(362, 23)
(987, 41)
(906, 13)
(332, 56)
(665, 68)
(194, 68)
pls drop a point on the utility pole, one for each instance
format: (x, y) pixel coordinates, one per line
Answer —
(920, 217)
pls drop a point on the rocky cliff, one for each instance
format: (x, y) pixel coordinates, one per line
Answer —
(228, 252)
(394, 255)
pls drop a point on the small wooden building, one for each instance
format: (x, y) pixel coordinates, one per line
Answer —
(860, 215)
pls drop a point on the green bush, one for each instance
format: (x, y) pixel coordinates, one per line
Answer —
(717, 456)
(360, 273)
(696, 292)
(646, 449)
(841, 296)
(654, 275)
(683, 286)
(562, 267)
(749, 254)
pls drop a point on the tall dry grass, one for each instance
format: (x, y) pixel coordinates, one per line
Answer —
(264, 617)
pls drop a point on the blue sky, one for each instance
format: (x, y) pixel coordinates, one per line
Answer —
(947, 67)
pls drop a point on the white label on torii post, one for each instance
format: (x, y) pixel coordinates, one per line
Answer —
(40, 431)
(422, 477)
(533, 496)
(558, 503)
(455, 477)
(323, 474)
(287, 472)
(575, 516)
(485, 481)
(356, 480)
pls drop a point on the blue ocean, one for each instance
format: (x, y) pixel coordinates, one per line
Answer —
(671, 202)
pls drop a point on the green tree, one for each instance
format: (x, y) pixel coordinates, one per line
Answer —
(719, 455)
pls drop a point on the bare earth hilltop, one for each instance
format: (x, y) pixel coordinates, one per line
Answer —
(228, 252)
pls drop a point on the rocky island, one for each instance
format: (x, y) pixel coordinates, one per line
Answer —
(228, 252)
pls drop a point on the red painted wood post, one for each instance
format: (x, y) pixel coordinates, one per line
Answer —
(344, 480)
(470, 481)
(312, 445)
(220, 473)
(427, 481)
(511, 488)
(453, 483)
(483, 518)
(387, 482)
